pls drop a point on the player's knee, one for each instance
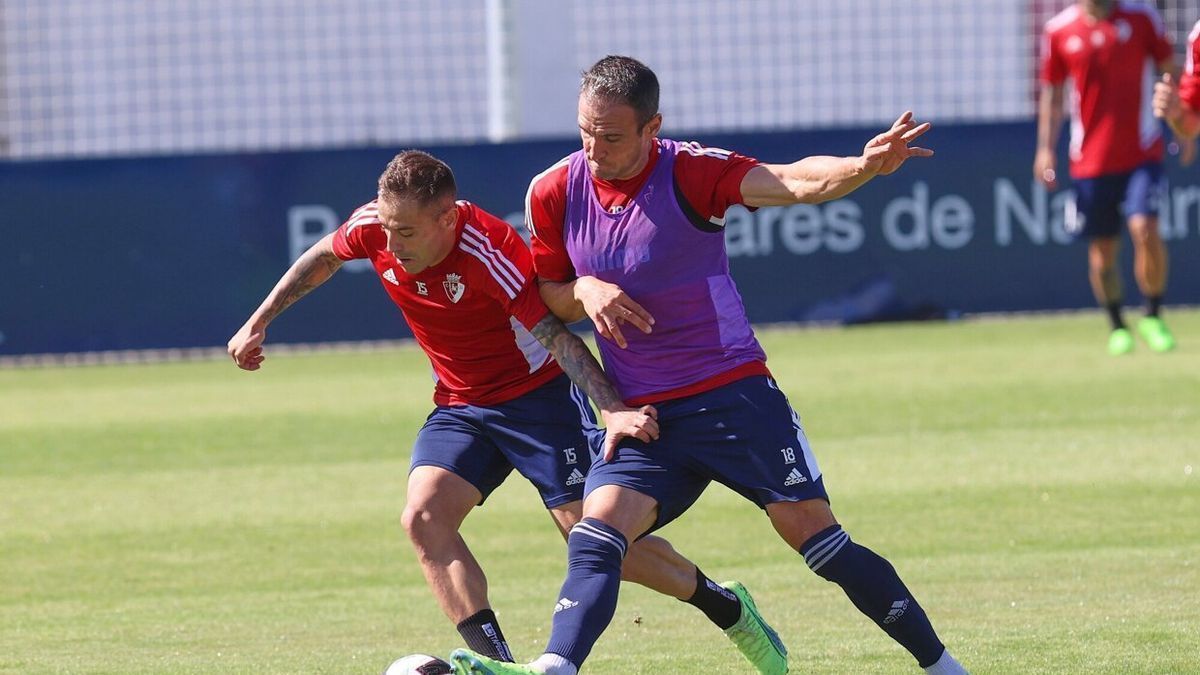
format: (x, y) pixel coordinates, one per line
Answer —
(423, 527)
(1143, 234)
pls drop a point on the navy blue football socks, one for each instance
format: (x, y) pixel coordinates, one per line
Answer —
(589, 595)
(876, 590)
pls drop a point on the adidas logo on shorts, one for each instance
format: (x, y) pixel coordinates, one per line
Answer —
(576, 477)
(794, 478)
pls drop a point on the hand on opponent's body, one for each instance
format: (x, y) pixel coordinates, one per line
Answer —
(609, 307)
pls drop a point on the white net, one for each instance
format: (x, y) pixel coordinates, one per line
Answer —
(101, 77)
(86, 78)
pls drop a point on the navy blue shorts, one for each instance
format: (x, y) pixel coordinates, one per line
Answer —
(547, 435)
(1104, 203)
(744, 435)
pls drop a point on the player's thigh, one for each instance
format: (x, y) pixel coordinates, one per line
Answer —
(655, 478)
(453, 439)
(566, 515)
(438, 499)
(1096, 211)
(754, 443)
(1145, 192)
(544, 435)
(630, 512)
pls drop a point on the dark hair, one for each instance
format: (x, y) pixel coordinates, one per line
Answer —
(418, 176)
(625, 80)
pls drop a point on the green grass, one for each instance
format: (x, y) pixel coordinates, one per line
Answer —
(192, 518)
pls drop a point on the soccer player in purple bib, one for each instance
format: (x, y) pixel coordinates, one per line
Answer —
(464, 281)
(628, 232)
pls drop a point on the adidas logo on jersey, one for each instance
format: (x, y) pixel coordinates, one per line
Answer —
(390, 275)
(565, 603)
(795, 477)
(576, 477)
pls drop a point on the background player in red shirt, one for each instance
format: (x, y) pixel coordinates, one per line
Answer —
(1179, 104)
(1110, 50)
(464, 281)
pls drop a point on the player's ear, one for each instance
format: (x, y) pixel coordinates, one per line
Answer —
(654, 125)
(450, 215)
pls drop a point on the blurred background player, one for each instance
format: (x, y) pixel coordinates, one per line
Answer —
(1179, 102)
(464, 282)
(1110, 50)
(629, 231)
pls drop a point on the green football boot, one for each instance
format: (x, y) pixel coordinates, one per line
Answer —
(1155, 333)
(467, 662)
(755, 639)
(1120, 341)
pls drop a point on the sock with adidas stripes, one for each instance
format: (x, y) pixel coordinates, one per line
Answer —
(589, 594)
(876, 590)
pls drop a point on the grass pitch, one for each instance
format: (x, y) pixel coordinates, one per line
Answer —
(1041, 498)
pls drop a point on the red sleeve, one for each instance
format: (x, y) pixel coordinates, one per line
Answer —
(1054, 69)
(348, 239)
(508, 269)
(711, 178)
(545, 213)
(1189, 82)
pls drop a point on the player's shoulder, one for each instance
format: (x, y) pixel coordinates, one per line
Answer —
(497, 252)
(1142, 11)
(1064, 19)
(366, 215)
(485, 232)
(552, 181)
(1194, 35)
(695, 149)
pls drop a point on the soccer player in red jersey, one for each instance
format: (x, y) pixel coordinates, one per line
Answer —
(1179, 103)
(464, 281)
(1111, 51)
(628, 231)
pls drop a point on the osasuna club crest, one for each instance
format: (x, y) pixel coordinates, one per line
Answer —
(454, 287)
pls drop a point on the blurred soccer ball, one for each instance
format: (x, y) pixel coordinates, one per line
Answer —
(419, 664)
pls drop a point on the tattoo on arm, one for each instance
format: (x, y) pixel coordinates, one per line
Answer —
(577, 361)
(311, 270)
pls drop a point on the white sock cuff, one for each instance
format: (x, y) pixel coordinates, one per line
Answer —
(946, 665)
(554, 664)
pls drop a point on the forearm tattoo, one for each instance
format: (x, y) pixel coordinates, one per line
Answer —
(311, 270)
(577, 361)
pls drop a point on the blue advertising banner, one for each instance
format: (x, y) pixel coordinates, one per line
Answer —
(178, 251)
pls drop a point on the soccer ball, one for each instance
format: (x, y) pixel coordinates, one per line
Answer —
(419, 664)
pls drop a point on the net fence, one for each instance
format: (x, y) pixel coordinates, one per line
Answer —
(89, 78)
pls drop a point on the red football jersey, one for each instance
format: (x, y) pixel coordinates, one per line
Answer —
(1189, 82)
(709, 181)
(471, 312)
(1113, 64)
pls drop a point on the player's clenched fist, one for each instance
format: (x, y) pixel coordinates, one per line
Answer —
(245, 347)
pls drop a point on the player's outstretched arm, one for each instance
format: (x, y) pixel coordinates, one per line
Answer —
(312, 269)
(821, 178)
(580, 365)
